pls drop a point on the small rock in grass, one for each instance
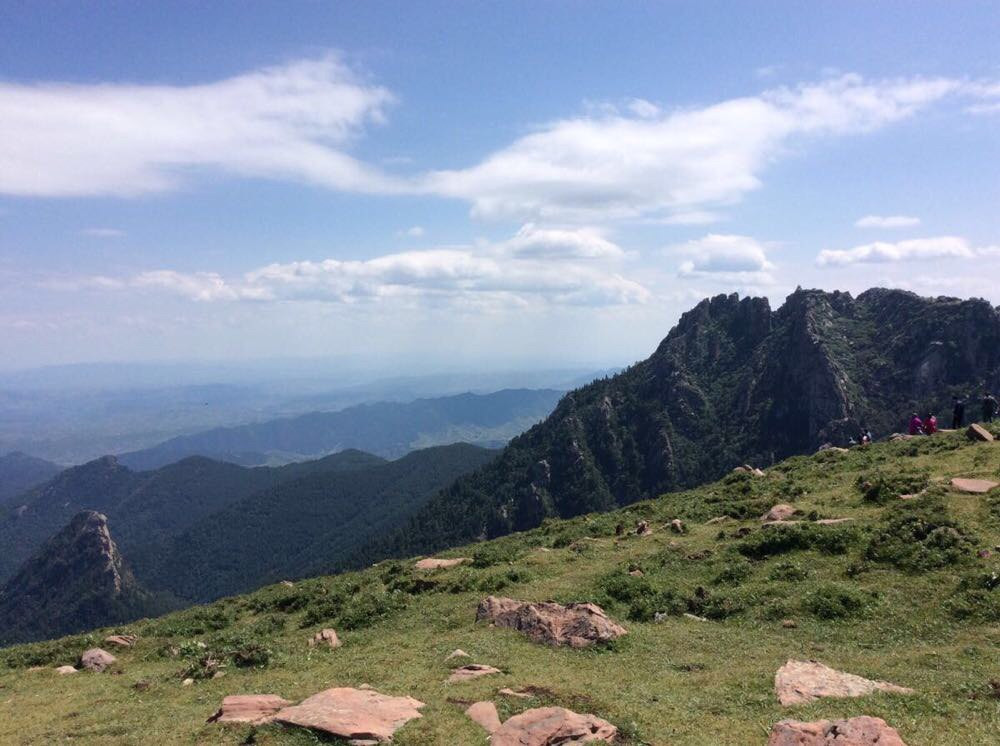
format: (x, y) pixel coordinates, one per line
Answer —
(471, 671)
(64, 670)
(187, 682)
(96, 660)
(256, 709)
(485, 714)
(457, 653)
(326, 638)
(789, 623)
(677, 526)
(858, 731)
(798, 682)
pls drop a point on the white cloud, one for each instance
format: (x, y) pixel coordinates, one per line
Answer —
(607, 165)
(940, 247)
(103, 232)
(643, 109)
(729, 258)
(887, 221)
(537, 267)
(414, 231)
(289, 122)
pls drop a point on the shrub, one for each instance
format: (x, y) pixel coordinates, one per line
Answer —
(977, 597)
(775, 540)
(733, 572)
(788, 571)
(495, 553)
(919, 536)
(642, 599)
(832, 601)
(883, 487)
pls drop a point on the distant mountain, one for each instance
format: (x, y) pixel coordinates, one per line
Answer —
(20, 472)
(388, 429)
(145, 506)
(301, 527)
(733, 382)
(76, 581)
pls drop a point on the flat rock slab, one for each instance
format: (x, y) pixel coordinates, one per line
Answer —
(249, 708)
(96, 660)
(576, 625)
(973, 486)
(354, 714)
(431, 563)
(858, 731)
(122, 641)
(471, 671)
(779, 512)
(978, 432)
(485, 714)
(798, 682)
(549, 726)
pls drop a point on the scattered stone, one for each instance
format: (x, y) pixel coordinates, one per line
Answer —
(980, 433)
(677, 526)
(858, 731)
(354, 714)
(96, 660)
(636, 573)
(187, 682)
(256, 709)
(326, 637)
(577, 625)
(431, 563)
(124, 641)
(218, 674)
(511, 693)
(141, 686)
(485, 714)
(457, 653)
(288, 583)
(798, 682)
(832, 521)
(900, 436)
(973, 486)
(695, 617)
(779, 512)
(549, 726)
(789, 623)
(471, 671)
(758, 472)
(717, 519)
(642, 528)
(64, 670)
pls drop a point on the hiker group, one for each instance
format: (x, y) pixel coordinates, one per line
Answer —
(929, 424)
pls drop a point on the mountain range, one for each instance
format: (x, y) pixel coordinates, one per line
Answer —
(20, 472)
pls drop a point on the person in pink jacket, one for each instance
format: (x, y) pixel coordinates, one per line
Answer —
(930, 424)
(916, 425)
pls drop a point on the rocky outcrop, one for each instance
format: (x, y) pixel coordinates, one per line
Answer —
(798, 682)
(358, 715)
(552, 726)
(858, 731)
(576, 625)
(256, 709)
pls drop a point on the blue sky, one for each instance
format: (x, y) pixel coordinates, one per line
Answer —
(440, 185)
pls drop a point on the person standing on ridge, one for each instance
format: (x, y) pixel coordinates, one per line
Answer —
(930, 424)
(989, 407)
(916, 425)
(957, 413)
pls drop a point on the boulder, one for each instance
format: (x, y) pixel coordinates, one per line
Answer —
(577, 625)
(471, 671)
(548, 726)
(858, 731)
(256, 709)
(353, 714)
(798, 682)
(122, 641)
(677, 526)
(485, 713)
(978, 432)
(431, 563)
(779, 512)
(973, 486)
(96, 660)
(64, 670)
(326, 638)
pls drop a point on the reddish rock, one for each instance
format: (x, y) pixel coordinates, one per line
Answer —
(973, 486)
(798, 682)
(485, 713)
(325, 637)
(431, 563)
(354, 714)
(980, 433)
(123, 641)
(96, 660)
(249, 708)
(471, 671)
(576, 625)
(549, 726)
(858, 731)
(637, 573)
(780, 512)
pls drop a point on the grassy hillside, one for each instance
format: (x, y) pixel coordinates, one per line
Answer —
(899, 593)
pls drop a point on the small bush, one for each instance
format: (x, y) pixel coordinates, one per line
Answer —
(733, 572)
(882, 487)
(642, 599)
(919, 536)
(494, 553)
(977, 597)
(833, 601)
(775, 540)
(788, 571)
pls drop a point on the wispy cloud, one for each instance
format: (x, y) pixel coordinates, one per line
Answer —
(879, 252)
(102, 232)
(887, 221)
(414, 231)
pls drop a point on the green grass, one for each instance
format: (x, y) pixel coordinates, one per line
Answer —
(898, 594)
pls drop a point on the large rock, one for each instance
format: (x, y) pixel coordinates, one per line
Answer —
(548, 726)
(96, 660)
(973, 486)
(779, 512)
(577, 625)
(858, 731)
(249, 708)
(325, 638)
(978, 432)
(798, 682)
(471, 671)
(354, 714)
(432, 563)
(485, 713)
